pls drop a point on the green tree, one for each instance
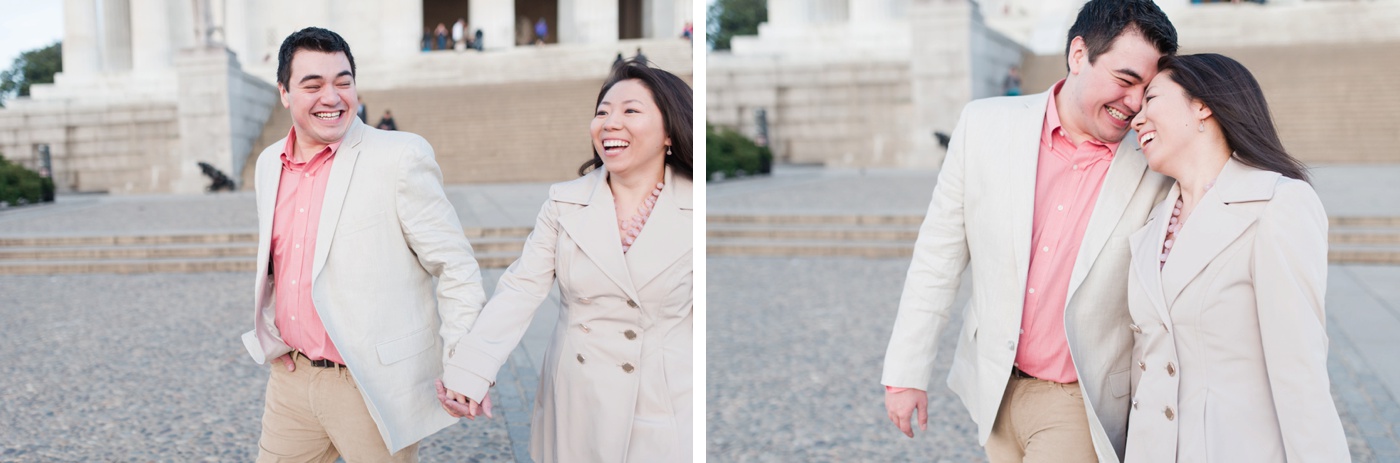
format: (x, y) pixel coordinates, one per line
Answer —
(31, 67)
(728, 18)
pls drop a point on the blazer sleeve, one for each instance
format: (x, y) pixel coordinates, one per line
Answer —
(471, 368)
(940, 255)
(434, 233)
(1290, 284)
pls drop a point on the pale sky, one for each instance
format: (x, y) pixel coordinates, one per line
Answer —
(26, 25)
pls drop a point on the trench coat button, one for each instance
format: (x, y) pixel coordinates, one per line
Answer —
(1170, 414)
(1135, 328)
(1135, 404)
(580, 358)
(584, 328)
(452, 352)
(1142, 365)
(632, 303)
(630, 334)
(1171, 369)
(584, 300)
(627, 367)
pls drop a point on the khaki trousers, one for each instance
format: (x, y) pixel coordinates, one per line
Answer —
(316, 414)
(1041, 422)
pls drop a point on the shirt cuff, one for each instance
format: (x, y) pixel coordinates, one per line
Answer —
(896, 390)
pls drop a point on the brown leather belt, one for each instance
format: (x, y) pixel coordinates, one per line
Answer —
(1015, 371)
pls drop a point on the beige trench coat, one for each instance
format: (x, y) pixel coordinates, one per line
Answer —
(616, 385)
(1230, 351)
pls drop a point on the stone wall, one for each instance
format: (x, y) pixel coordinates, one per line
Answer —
(118, 148)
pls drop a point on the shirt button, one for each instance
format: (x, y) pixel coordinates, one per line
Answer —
(1032, 289)
(296, 246)
(294, 282)
(1075, 167)
(294, 317)
(1060, 207)
(306, 175)
(1047, 249)
(301, 210)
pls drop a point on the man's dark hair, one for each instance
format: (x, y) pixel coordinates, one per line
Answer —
(314, 39)
(1237, 103)
(1100, 22)
(673, 97)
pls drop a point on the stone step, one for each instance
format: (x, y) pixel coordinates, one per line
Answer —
(812, 219)
(843, 232)
(186, 265)
(1338, 253)
(473, 233)
(194, 251)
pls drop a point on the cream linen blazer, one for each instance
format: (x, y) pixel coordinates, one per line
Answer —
(616, 385)
(386, 231)
(981, 214)
(1230, 352)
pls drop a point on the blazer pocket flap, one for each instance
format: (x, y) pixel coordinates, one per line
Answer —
(405, 347)
(1118, 383)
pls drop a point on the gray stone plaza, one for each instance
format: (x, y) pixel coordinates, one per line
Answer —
(149, 367)
(796, 341)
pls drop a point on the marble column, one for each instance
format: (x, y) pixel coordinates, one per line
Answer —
(81, 56)
(151, 45)
(116, 35)
(496, 19)
(588, 21)
(940, 71)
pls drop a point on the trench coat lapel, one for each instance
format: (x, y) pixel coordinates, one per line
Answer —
(594, 229)
(1146, 248)
(667, 233)
(339, 184)
(1214, 224)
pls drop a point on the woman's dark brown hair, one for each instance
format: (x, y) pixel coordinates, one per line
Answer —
(672, 96)
(1237, 102)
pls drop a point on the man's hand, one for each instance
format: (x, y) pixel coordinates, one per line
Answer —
(901, 405)
(460, 406)
(287, 359)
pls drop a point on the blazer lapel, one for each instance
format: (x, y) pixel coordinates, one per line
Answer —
(1124, 175)
(594, 229)
(667, 234)
(1145, 245)
(1214, 225)
(1023, 143)
(341, 172)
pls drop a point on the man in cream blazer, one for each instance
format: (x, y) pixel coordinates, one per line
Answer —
(391, 275)
(984, 213)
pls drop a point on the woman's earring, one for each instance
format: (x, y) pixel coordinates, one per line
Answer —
(1202, 127)
(668, 150)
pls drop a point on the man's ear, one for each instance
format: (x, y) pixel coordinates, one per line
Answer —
(282, 94)
(1078, 56)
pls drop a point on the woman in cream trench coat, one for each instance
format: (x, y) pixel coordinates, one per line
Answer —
(1226, 286)
(616, 384)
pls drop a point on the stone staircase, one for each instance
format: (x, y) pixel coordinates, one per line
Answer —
(1332, 103)
(515, 116)
(233, 251)
(1354, 240)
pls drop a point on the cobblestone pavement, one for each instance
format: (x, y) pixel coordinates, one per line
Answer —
(795, 345)
(793, 369)
(150, 368)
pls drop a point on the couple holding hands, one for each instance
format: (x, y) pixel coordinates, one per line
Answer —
(368, 297)
(1158, 297)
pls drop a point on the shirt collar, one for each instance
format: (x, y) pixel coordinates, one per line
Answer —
(289, 160)
(1053, 127)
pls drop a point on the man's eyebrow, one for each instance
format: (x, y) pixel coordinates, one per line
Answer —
(1131, 73)
(310, 77)
(344, 73)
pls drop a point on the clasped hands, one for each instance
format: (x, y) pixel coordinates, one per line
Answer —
(460, 406)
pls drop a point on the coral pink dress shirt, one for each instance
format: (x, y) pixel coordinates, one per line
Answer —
(294, 222)
(1067, 183)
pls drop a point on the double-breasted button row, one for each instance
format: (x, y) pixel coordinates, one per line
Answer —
(1171, 369)
(628, 368)
(1171, 415)
(632, 304)
(629, 334)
